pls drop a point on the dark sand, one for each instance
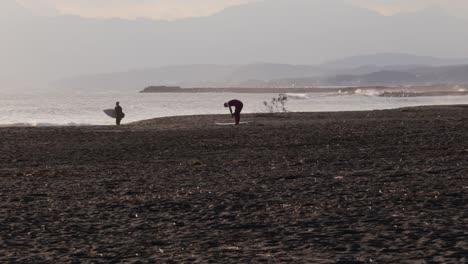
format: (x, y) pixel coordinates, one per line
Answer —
(378, 187)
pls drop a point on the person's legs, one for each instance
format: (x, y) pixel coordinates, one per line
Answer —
(237, 117)
(117, 121)
(237, 114)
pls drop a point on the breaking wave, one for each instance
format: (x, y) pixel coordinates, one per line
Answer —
(297, 96)
(367, 92)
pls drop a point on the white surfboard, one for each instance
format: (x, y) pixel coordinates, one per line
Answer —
(231, 123)
(111, 113)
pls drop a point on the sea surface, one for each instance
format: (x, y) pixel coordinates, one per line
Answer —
(76, 108)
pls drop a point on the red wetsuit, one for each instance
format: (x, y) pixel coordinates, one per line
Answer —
(238, 105)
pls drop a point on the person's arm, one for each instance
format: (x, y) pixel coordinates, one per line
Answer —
(230, 110)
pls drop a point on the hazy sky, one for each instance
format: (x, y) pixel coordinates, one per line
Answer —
(46, 50)
(174, 9)
(391, 7)
(155, 9)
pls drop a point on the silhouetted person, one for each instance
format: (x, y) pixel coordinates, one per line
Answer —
(238, 105)
(118, 113)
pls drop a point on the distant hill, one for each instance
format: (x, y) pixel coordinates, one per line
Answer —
(267, 75)
(375, 78)
(189, 76)
(417, 76)
(391, 59)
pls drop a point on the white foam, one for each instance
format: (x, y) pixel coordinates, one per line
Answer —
(297, 96)
(368, 92)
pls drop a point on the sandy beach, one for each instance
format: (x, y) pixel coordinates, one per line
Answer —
(352, 187)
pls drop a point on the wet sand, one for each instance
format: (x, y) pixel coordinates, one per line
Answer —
(358, 187)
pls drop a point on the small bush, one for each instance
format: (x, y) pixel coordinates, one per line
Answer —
(277, 104)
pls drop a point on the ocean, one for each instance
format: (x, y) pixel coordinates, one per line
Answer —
(77, 108)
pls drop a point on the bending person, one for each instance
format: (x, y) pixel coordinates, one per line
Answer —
(238, 105)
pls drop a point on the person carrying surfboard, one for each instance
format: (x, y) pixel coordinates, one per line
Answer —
(118, 113)
(238, 105)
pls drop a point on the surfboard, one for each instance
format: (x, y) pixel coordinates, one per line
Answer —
(231, 124)
(111, 113)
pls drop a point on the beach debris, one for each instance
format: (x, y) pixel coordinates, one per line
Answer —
(349, 262)
(133, 215)
(234, 248)
(266, 255)
(195, 162)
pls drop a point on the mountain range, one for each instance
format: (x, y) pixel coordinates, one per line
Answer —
(292, 34)
(374, 70)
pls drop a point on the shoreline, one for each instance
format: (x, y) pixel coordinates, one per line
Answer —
(221, 116)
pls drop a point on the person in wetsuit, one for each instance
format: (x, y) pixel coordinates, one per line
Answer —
(118, 113)
(238, 105)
